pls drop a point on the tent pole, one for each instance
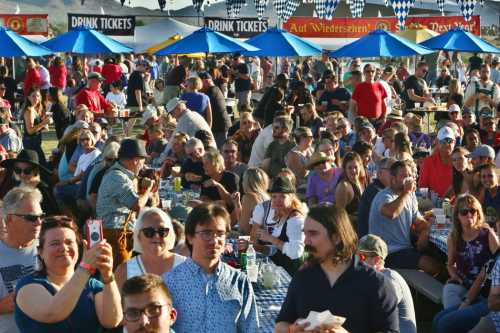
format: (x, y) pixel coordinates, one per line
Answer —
(13, 68)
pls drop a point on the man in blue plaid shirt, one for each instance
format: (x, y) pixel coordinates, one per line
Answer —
(491, 323)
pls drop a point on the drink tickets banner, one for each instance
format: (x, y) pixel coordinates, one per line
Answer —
(358, 27)
(107, 24)
(26, 24)
(243, 27)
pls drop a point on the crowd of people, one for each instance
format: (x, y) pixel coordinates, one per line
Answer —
(328, 174)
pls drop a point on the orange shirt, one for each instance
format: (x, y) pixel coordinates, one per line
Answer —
(435, 175)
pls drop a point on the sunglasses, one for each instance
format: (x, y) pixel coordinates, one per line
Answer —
(29, 217)
(446, 141)
(26, 171)
(150, 232)
(466, 211)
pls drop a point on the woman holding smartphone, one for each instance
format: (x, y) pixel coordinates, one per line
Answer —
(63, 296)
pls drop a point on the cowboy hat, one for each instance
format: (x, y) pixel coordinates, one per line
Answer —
(25, 156)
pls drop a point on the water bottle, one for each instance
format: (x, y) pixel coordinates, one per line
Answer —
(252, 269)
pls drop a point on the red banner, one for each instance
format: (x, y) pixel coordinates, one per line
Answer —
(26, 24)
(357, 27)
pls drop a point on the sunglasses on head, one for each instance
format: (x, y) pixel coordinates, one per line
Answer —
(29, 217)
(26, 171)
(150, 232)
(466, 211)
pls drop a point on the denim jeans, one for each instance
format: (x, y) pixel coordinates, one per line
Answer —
(453, 295)
(453, 320)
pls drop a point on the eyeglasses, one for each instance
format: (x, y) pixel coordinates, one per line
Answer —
(150, 232)
(207, 235)
(277, 128)
(466, 211)
(29, 217)
(228, 151)
(151, 311)
(26, 171)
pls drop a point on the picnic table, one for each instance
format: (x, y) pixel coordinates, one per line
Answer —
(427, 110)
(439, 236)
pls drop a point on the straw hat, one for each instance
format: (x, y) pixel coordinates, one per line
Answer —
(317, 158)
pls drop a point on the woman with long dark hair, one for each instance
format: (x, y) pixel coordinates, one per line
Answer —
(35, 121)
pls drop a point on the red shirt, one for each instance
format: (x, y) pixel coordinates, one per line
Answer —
(58, 75)
(93, 100)
(31, 79)
(111, 73)
(370, 99)
(435, 175)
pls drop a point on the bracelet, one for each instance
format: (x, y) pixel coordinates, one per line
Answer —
(87, 267)
(111, 279)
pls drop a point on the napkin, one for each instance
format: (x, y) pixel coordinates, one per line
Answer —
(316, 319)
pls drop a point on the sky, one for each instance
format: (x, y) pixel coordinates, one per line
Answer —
(171, 4)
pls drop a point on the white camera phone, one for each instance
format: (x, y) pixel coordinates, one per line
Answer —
(93, 232)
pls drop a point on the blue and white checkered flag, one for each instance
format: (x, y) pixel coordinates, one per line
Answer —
(198, 5)
(260, 7)
(356, 7)
(481, 2)
(467, 8)
(285, 8)
(387, 3)
(440, 4)
(401, 10)
(326, 8)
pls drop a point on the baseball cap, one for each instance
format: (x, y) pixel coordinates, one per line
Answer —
(172, 104)
(374, 245)
(446, 133)
(148, 114)
(486, 112)
(454, 108)
(483, 151)
(95, 75)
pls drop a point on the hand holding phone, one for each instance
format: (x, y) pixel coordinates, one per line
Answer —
(93, 232)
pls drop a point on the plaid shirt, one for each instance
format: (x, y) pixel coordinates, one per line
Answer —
(495, 282)
(116, 196)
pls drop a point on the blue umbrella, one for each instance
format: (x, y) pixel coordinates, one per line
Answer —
(207, 41)
(277, 42)
(14, 45)
(85, 41)
(457, 39)
(380, 43)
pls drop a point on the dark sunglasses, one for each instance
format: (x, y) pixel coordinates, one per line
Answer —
(150, 232)
(466, 211)
(446, 141)
(26, 171)
(29, 217)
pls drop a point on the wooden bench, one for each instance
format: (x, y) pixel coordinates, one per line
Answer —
(423, 283)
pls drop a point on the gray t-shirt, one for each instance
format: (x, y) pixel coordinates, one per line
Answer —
(14, 264)
(396, 233)
(407, 319)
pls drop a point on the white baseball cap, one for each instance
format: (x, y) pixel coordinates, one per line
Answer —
(446, 133)
(172, 104)
(454, 108)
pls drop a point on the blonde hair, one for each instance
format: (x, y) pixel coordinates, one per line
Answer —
(89, 134)
(145, 214)
(247, 116)
(255, 180)
(465, 201)
(215, 158)
(194, 83)
(454, 87)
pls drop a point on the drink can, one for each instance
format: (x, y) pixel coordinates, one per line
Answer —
(243, 261)
(177, 184)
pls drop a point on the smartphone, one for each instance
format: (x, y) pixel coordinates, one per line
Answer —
(93, 231)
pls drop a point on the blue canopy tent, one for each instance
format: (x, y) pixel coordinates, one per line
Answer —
(380, 43)
(276, 42)
(207, 41)
(85, 41)
(14, 45)
(458, 39)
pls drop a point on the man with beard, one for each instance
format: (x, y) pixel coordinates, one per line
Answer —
(278, 149)
(436, 171)
(147, 305)
(482, 93)
(335, 280)
(262, 114)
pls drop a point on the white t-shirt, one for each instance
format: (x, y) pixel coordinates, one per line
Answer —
(119, 99)
(388, 99)
(44, 77)
(294, 248)
(471, 90)
(85, 160)
(260, 145)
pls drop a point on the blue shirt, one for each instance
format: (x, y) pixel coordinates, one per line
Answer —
(215, 303)
(495, 282)
(83, 318)
(197, 102)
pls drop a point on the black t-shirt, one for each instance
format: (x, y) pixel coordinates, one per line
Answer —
(475, 62)
(176, 76)
(221, 120)
(364, 297)
(340, 94)
(229, 180)
(135, 82)
(418, 86)
(242, 84)
(191, 167)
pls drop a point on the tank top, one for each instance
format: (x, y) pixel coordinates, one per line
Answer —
(352, 207)
(471, 257)
(37, 121)
(135, 266)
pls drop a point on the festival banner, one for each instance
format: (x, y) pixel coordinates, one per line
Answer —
(107, 24)
(243, 27)
(349, 27)
(26, 24)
